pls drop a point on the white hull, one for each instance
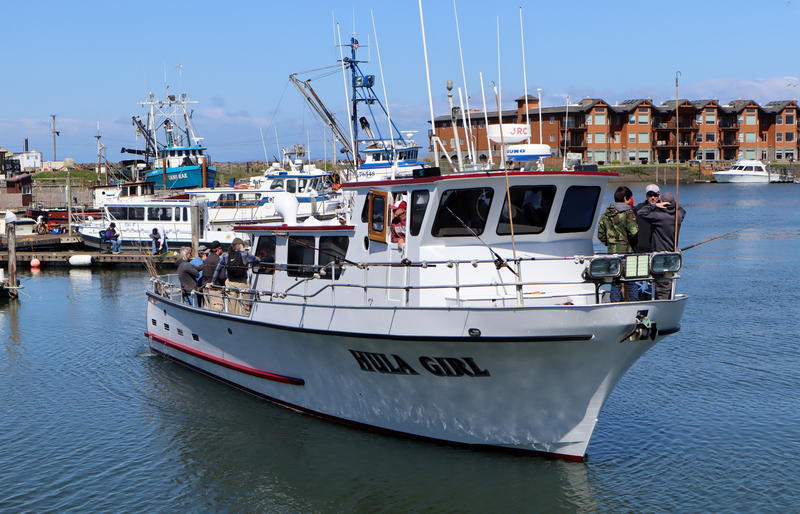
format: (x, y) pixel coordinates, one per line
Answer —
(535, 379)
(741, 178)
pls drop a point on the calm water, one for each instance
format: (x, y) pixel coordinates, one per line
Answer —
(707, 421)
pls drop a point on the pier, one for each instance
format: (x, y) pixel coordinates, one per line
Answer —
(84, 258)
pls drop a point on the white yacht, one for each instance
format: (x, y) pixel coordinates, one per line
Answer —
(135, 222)
(477, 326)
(748, 171)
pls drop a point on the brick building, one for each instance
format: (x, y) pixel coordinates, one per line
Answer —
(640, 131)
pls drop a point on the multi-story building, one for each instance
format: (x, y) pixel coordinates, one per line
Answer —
(640, 131)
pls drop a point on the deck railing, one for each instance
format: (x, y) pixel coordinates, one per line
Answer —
(322, 280)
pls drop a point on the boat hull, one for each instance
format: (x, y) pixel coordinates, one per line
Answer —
(182, 177)
(526, 383)
(739, 178)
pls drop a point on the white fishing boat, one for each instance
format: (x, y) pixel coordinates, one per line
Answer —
(239, 205)
(747, 171)
(477, 328)
(135, 222)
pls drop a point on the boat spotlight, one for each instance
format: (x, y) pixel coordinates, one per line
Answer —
(665, 263)
(604, 268)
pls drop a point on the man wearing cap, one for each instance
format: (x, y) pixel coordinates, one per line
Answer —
(643, 244)
(235, 263)
(661, 217)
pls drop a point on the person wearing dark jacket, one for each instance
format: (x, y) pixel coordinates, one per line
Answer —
(187, 275)
(235, 262)
(643, 244)
(661, 217)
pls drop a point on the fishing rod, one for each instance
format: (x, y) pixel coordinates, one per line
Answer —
(499, 262)
(721, 236)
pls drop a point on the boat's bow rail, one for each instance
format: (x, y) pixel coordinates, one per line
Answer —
(522, 282)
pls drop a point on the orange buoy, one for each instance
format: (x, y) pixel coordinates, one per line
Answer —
(35, 263)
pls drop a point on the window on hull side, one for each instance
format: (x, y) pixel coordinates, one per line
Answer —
(530, 206)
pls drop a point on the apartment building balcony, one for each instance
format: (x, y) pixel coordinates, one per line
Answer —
(728, 126)
(671, 126)
(728, 144)
(576, 144)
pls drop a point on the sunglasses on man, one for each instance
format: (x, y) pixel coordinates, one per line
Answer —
(653, 193)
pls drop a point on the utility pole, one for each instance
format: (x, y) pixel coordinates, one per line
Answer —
(55, 133)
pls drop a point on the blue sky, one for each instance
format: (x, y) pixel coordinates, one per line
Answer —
(92, 61)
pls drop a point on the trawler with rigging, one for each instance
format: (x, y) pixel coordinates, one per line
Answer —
(178, 160)
(481, 317)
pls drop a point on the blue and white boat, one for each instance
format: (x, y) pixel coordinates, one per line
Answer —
(376, 148)
(179, 161)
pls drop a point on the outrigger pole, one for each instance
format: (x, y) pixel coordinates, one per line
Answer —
(677, 163)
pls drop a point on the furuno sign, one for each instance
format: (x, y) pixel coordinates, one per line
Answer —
(439, 366)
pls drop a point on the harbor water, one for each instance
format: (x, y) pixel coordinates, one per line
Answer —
(708, 420)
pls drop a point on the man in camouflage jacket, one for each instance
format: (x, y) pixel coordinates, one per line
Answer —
(618, 230)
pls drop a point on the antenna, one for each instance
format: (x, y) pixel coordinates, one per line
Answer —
(486, 122)
(385, 95)
(566, 134)
(525, 81)
(468, 129)
(499, 88)
(346, 96)
(263, 146)
(428, 78)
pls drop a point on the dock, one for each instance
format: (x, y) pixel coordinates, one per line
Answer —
(88, 258)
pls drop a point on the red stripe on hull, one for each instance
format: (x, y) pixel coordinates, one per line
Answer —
(343, 421)
(227, 364)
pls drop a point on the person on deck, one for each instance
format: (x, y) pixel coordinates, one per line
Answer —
(661, 216)
(618, 230)
(187, 274)
(398, 225)
(235, 263)
(643, 244)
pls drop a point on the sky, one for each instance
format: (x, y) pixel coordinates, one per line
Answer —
(90, 62)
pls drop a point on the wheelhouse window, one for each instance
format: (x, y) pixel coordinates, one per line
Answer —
(419, 202)
(462, 212)
(300, 256)
(227, 200)
(265, 251)
(291, 186)
(578, 208)
(530, 206)
(159, 213)
(331, 250)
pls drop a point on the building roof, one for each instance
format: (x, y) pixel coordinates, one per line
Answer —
(529, 97)
(777, 106)
(739, 105)
(699, 104)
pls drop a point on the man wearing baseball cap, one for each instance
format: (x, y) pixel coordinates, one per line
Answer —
(235, 263)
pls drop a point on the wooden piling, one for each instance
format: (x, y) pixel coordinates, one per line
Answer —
(205, 172)
(164, 160)
(196, 226)
(11, 242)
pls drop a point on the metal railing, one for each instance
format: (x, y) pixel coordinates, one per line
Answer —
(327, 279)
